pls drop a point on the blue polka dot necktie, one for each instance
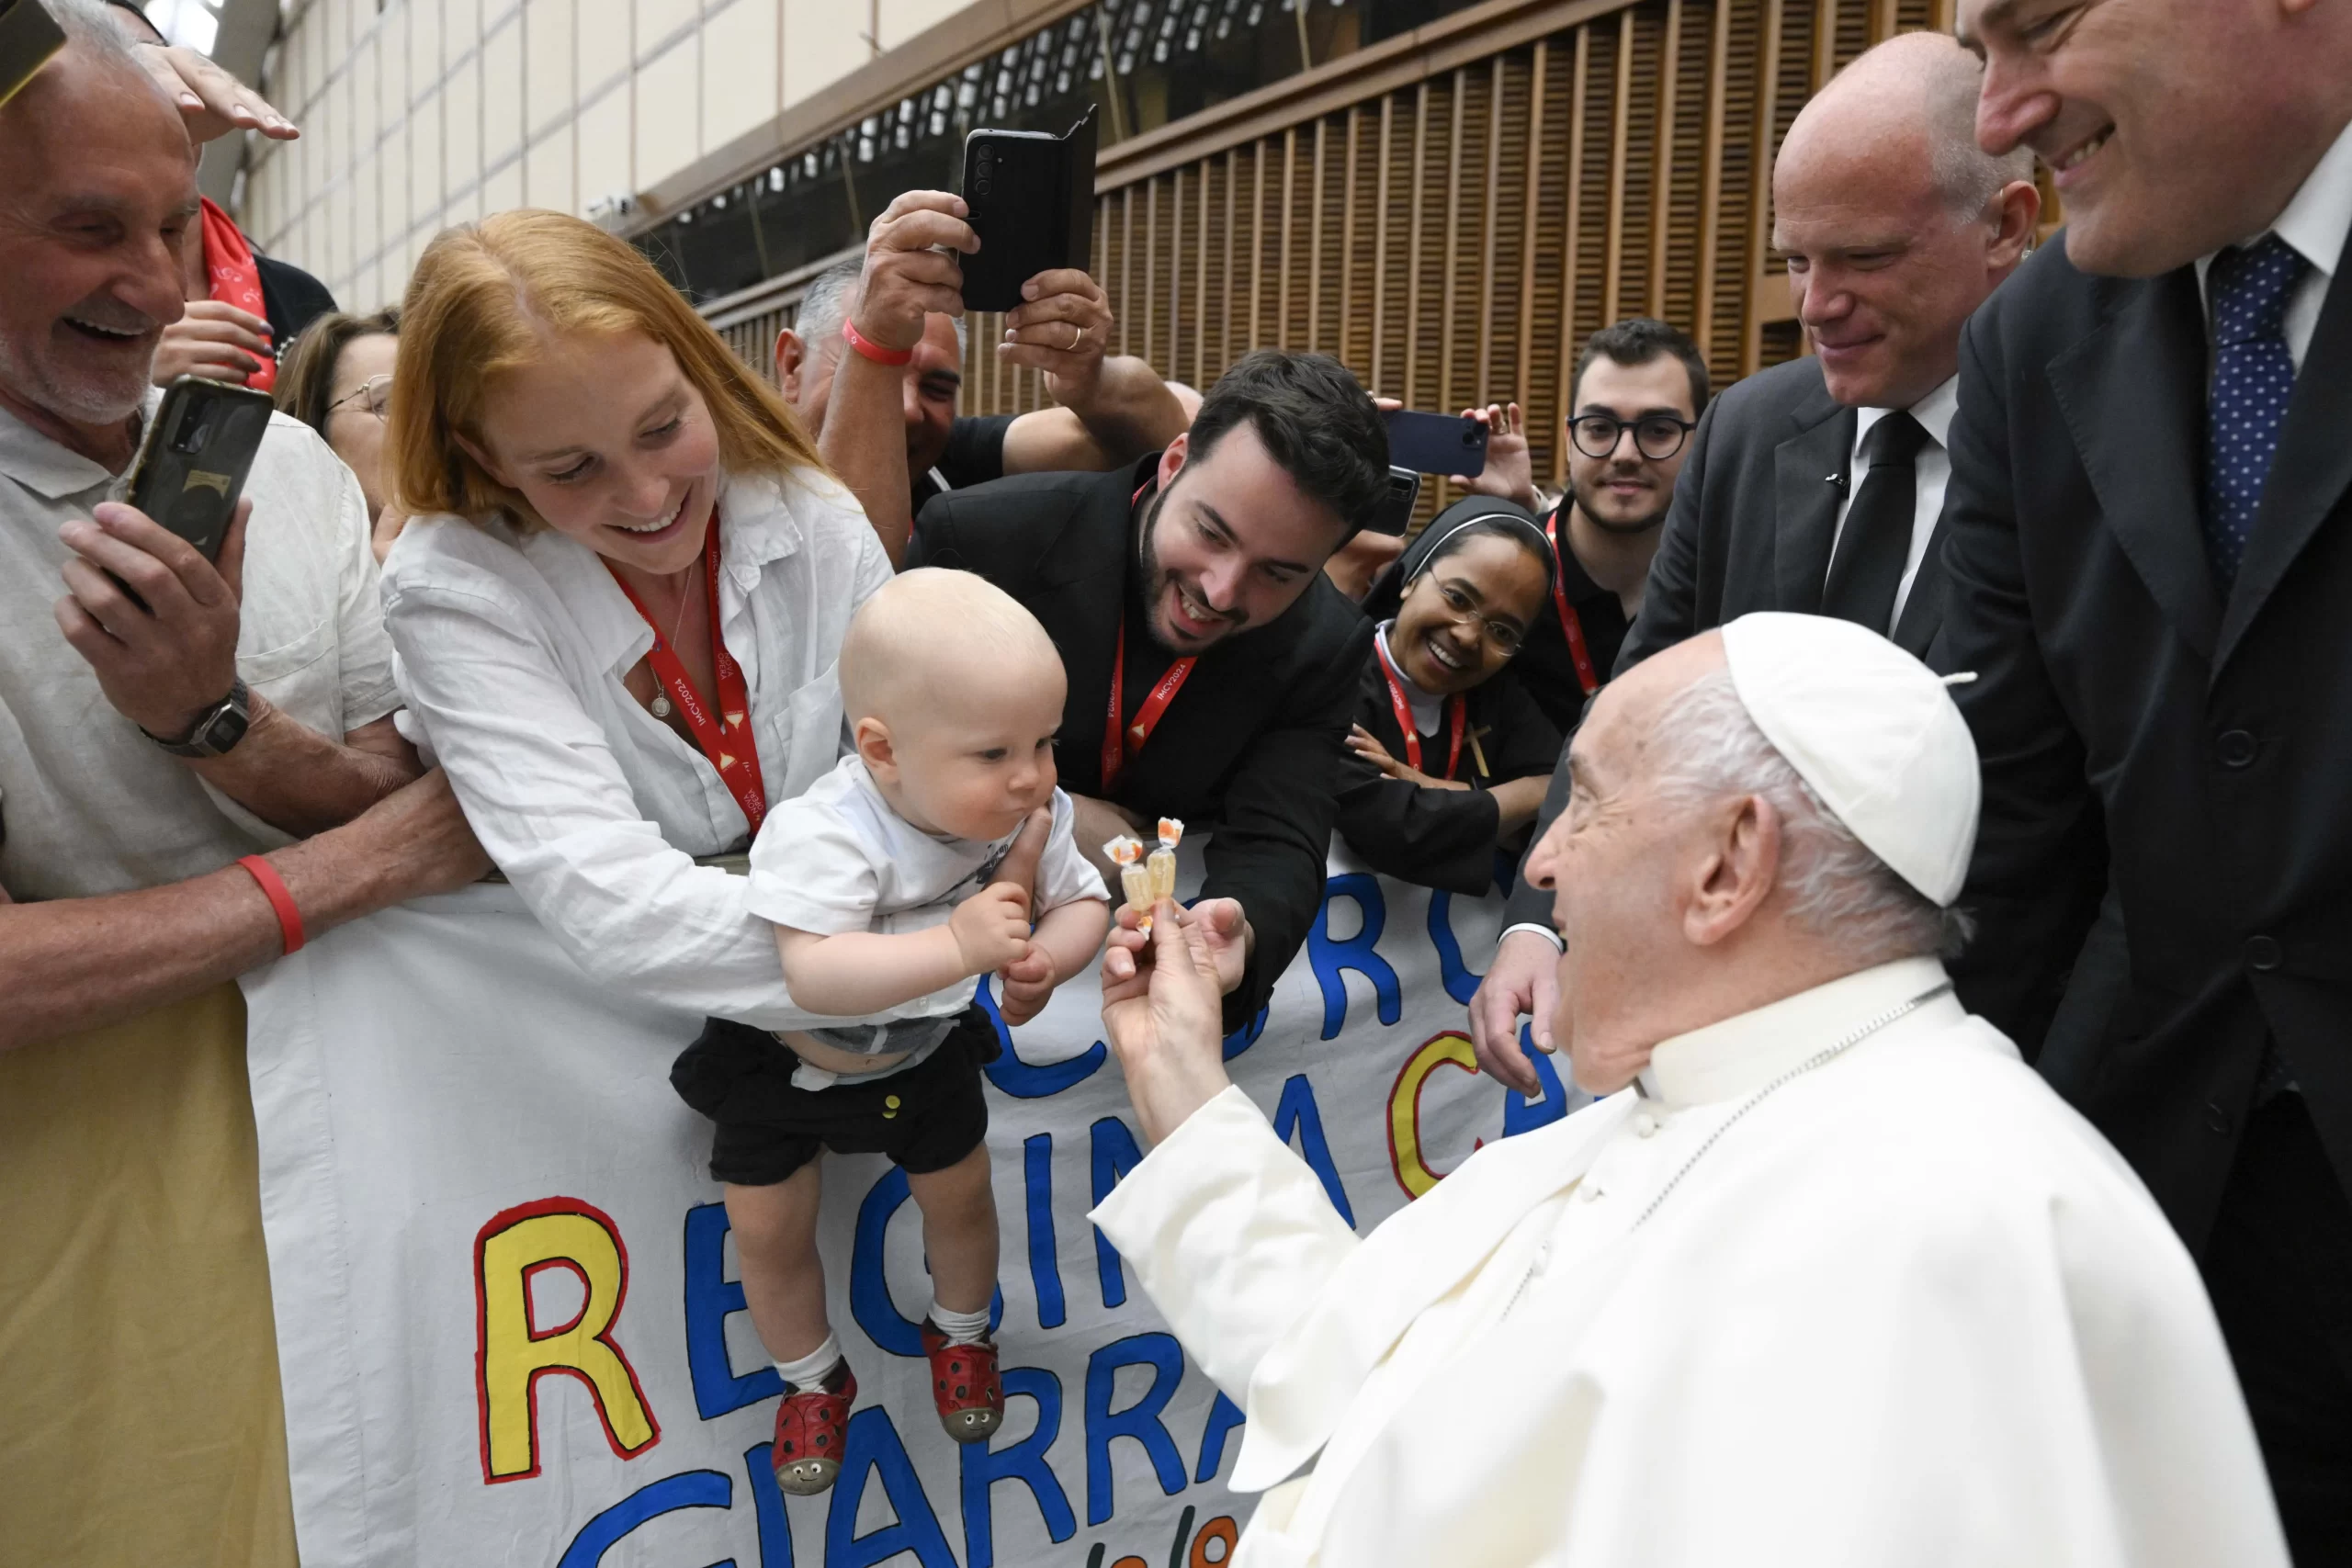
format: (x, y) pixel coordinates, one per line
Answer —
(2253, 375)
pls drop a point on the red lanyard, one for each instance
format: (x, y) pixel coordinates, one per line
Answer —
(1117, 735)
(1457, 712)
(1571, 625)
(727, 740)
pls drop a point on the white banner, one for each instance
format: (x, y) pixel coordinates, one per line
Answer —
(508, 1318)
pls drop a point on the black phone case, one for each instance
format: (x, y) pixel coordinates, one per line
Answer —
(194, 457)
(1437, 444)
(1032, 203)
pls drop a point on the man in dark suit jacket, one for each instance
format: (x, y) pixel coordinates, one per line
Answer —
(1189, 591)
(1816, 486)
(2150, 566)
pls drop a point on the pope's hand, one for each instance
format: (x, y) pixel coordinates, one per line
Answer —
(1523, 980)
(1163, 1010)
(991, 928)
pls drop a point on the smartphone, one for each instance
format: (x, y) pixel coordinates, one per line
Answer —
(1436, 444)
(1394, 512)
(194, 457)
(28, 35)
(1032, 201)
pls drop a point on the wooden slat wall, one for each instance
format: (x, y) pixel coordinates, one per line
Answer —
(1455, 239)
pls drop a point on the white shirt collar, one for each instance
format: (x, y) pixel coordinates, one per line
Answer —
(1744, 1052)
(47, 469)
(1933, 411)
(2315, 220)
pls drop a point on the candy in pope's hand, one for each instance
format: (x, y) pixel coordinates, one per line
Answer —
(1134, 877)
(1162, 864)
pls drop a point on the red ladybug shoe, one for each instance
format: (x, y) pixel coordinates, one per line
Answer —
(964, 1385)
(810, 1426)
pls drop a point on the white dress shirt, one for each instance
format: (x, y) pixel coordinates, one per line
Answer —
(2314, 223)
(1899, 1305)
(1931, 471)
(512, 647)
(88, 803)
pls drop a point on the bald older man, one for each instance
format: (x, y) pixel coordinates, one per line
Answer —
(1816, 486)
(1830, 1279)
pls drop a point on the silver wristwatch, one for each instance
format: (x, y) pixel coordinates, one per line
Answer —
(217, 732)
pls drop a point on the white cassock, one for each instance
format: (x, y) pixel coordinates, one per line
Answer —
(1908, 1309)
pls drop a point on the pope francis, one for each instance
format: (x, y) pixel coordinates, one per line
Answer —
(1830, 1277)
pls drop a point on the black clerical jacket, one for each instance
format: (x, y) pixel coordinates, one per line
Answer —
(2136, 722)
(1253, 744)
(1442, 838)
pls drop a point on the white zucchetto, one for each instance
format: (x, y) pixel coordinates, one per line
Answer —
(1873, 730)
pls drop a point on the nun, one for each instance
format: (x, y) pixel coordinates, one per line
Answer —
(1450, 756)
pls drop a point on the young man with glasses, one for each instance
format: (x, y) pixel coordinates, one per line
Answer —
(1638, 388)
(1816, 486)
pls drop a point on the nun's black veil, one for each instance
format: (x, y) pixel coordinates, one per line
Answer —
(1455, 522)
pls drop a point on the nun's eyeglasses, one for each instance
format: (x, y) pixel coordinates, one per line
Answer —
(1657, 437)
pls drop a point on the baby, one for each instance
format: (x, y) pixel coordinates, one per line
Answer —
(894, 883)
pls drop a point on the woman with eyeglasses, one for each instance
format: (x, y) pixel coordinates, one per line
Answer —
(337, 379)
(1450, 756)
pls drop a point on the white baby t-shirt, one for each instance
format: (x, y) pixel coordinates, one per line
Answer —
(838, 858)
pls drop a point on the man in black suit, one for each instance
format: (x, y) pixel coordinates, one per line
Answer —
(2150, 571)
(1816, 485)
(1187, 597)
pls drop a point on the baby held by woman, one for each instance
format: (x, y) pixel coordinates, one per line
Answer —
(895, 883)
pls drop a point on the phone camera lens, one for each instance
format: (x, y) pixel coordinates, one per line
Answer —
(983, 186)
(190, 436)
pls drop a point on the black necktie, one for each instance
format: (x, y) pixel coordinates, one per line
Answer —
(1875, 543)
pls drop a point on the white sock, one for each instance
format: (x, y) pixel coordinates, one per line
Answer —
(813, 1368)
(961, 1327)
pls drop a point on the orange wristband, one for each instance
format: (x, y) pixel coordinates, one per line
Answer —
(273, 887)
(867, 348)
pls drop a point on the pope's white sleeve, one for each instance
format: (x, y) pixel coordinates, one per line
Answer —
(1231, 1235)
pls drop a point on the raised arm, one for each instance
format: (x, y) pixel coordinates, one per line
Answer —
(1230, 1233)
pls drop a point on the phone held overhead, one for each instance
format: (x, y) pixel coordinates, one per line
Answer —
(28, 35)
(1031, 202)
(1436, 442)
(194, 455)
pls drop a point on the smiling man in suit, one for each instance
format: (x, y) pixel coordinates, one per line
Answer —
(1816, 486)
(2150, 565)
(1213, 667)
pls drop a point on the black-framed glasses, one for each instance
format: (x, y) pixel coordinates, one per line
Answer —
(373, 396)
(1657, 437)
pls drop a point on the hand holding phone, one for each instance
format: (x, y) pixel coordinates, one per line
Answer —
(156, 621)
(1032, 201)
(1436, 442)
(911, 269)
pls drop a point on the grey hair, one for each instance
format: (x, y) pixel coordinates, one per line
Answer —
(93, 25)
(824, 306)
(1708, 749)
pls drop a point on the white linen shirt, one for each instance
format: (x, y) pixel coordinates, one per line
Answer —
(88, 804)
(512, 646)
(840, 858)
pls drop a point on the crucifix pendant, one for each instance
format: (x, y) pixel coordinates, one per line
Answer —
(660, 705)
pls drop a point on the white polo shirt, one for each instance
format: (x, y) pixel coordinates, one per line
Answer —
(89, 805)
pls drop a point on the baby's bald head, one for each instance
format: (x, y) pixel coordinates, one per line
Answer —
(933, 642)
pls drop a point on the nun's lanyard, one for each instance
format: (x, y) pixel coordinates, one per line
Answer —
(1457, 711)
(1117, 734)
(725, 738)
(1571, 624)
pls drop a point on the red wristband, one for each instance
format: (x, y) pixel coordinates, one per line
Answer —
(273, 887)
(867, 347)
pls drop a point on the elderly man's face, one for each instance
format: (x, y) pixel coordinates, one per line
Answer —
(98, 188)
(933, 378)
(2163, 122)
(1884, 273)
(1617, 860)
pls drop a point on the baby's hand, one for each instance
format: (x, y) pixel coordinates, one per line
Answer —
(991, 928)
(1026, 987)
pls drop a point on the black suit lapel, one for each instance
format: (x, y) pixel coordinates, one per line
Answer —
(2133, 395)
(1082, 575)
(1810, 475)
(2310, 472)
